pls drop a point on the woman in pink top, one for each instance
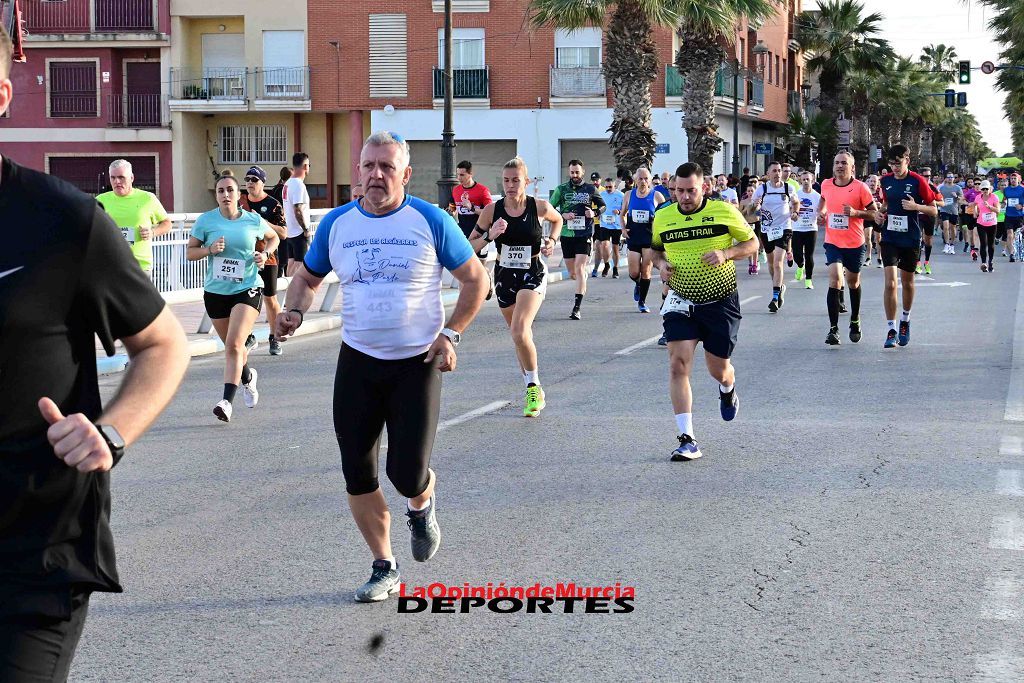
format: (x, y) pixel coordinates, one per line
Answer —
(987, 214)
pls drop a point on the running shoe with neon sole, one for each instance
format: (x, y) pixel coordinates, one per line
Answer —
(384, 582)
(426, 534)
(918, 270)
(808, 284)
(728, 404)
(762, 257)
(223, 410)
(249, 392)
(534, 401)
(855, 333)
(890, 339)
(927, 269)
(798, 275)
(904, 336)
(687, 450)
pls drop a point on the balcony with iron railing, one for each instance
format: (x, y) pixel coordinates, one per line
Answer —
(134, 111)
(577, 82)
(466, 83)
(209, 84)
(88, 16)
(289, 83)
(755, 93)
(725, 83)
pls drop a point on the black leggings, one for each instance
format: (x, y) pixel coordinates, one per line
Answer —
(803, 250)
(38, 648)
(403, 395)
(987, 239)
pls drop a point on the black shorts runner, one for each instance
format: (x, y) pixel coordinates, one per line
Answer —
(904, 258)
(604, 234)
(771, 245)
(716, 324)
(269, 275)
(297, 248)
(575, 246)
(218, 306)
(1014, 222)
(639, 248)
(852, 258)
(927, 225)
(508, 281)
(951, 217)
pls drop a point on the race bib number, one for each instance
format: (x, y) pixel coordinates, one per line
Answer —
(515, 257)
(775, 232)
(948, 201)
(578, 223)
(839, 221)
(898, 224)
(610, 219)
(1012, 201)
(988, 217)
(806, 220)
(641, 215)
(128, 234)
(676, 304)
(463, 211)
(228, 269)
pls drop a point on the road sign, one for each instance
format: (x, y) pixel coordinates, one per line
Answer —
(987, 67)
(764, 148)
(661, 148)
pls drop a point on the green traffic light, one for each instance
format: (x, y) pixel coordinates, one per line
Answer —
(965, 72)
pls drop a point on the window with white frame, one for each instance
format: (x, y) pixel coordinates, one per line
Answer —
(467, 48)
(284, 59)
(253, 144)
(578, 49)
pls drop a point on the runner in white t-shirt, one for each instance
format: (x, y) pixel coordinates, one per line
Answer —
(295, 200)
(805, 230)
(777, 203)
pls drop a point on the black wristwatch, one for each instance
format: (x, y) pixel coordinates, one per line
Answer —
(302, 317)
(114, 441)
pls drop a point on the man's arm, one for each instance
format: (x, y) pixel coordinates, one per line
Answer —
(301, 291)
(473, 285)
(299, 218)
(162, 228)
(742, 250)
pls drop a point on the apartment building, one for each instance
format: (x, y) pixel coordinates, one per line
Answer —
(91, 92)
(540, 94)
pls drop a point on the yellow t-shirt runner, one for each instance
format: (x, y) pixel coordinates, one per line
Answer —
(138, 209)
(685, 238)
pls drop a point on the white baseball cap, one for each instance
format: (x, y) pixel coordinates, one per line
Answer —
(985, 185)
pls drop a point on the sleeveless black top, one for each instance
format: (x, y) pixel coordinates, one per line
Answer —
(522, 231)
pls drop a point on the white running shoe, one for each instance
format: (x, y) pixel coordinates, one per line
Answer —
(249, 393)
(223, 410)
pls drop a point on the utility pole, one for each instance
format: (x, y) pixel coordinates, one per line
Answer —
(736, 118)
(446, 183)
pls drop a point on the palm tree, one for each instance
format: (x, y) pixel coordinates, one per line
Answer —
(939, 57)
(630, 63)
(839, 39)
(1008, 24)
(803, 133)
(707, 30)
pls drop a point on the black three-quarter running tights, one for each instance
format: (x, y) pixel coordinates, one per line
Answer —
(803, 250)
(987, 237)
(403, 395)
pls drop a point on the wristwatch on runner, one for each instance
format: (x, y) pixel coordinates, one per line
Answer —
(115, 442)
(453, 336)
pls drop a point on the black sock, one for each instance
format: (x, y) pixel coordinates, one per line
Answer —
(246, 374)
(842, 296)
(777, 290)
(579, 300)
(645, 286)
(229, 392)
(927, 254)
(635, 279)
(855, 303)
(833, 306)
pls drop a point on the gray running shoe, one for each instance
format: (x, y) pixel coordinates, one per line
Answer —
(384, 581)
(275, 347)
(426, 534)
(251, 343)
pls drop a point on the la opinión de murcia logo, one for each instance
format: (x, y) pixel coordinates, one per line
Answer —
(562, 598)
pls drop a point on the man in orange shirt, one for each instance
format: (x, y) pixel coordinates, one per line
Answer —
(845, 203)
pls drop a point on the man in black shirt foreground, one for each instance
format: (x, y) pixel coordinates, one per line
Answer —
(66, 276)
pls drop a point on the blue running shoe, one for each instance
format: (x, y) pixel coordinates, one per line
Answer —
(663, 341)
(687, 450)
(636, 292)
(890, 339)
(904, 332)
(729, 404)
(643, 308)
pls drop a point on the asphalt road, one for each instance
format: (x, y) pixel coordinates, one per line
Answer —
(858, 521)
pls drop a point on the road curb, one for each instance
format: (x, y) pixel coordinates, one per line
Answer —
(204, 347)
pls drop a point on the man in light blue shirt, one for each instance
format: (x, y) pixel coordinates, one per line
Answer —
(609, 233)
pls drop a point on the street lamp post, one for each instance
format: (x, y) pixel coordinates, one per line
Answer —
(446, 183)
(736, 118)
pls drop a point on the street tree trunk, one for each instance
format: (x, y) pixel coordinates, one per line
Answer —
(697, 60)
(831, 90)
(630, 66)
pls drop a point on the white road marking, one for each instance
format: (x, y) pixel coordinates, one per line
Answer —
(639, 345)
(942, 284)
(1007, 533)
(1008, 483)
(1015, 392)
(1011, 445)
(1001, 599)
(489, 408)
(1000, 666)
(749, 299)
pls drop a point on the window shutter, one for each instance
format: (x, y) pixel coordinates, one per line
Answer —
(388, 55)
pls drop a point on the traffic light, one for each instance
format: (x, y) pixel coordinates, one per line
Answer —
(965, 72)
(961, 99)
(950, 98)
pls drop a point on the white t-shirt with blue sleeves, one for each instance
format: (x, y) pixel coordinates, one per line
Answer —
(390, 272)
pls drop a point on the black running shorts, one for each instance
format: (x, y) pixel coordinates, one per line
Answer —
(904, 258)
(716, 324)
(218, 306)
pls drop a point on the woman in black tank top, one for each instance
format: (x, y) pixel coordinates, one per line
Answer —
(520, 273)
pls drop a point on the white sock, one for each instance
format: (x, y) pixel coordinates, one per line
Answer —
(684, 422)
(531, 377)
(411, 508)
(892, 324)
(905, 318)
(726, 388)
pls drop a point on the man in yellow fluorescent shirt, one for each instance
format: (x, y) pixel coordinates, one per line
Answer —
(138, 213)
